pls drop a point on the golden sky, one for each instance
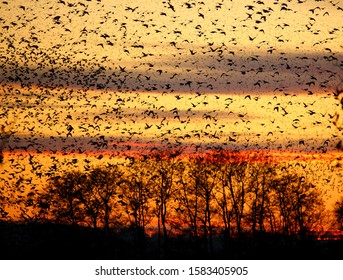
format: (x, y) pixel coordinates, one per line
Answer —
(81, 78)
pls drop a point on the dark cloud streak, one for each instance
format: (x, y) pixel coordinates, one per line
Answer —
(262, 73)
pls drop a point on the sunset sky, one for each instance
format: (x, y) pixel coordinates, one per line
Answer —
(83, 82)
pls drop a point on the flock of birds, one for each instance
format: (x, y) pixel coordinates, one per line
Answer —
(94, 78)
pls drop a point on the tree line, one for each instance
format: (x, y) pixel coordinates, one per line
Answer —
(166, 194)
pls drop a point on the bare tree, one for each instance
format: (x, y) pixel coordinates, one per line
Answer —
(105, 183)
(208, 183)
(92, 204)
(82, 198)
(189, 203)
(135, 197)
(261, 173)
(338, 212)
(222, 194)
(166, 166)
(238, 181)
(197, 198)
(299, 204)
(60, 200)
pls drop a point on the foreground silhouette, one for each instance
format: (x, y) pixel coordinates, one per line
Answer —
(162, 205)
(55, 241)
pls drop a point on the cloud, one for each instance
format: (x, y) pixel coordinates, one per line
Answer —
(206, 73)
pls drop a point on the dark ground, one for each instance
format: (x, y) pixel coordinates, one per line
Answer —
(55, 242)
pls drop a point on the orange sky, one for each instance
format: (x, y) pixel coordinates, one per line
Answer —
(96, 77)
